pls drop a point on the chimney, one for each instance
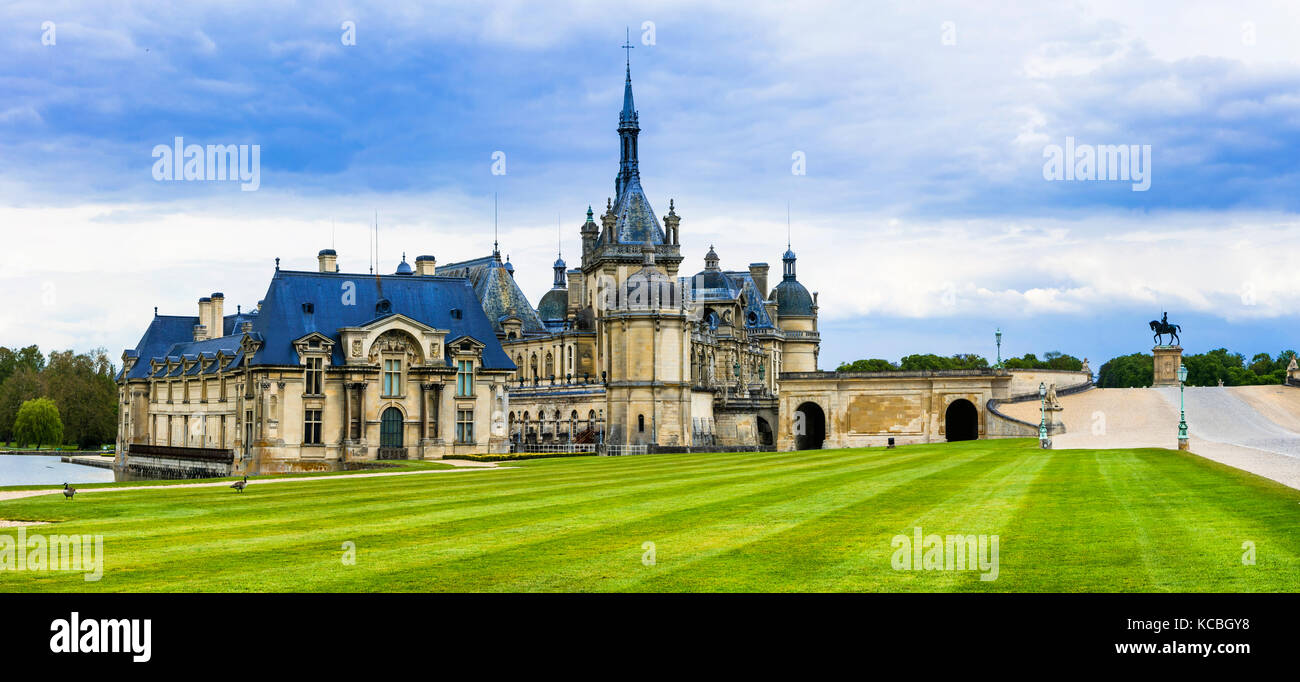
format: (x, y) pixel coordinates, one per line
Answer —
(425, 266)
(329, 260)
(217, 322)
(205, 316)
(759, 272)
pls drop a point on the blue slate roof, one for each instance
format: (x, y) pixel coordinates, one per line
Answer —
(428, 300)
(282, 320)
(717, 285)
(164, 332)
(635, 220)
(792, 299)
(554, 305)
(498, 294)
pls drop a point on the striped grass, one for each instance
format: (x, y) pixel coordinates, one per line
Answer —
(1068, 521)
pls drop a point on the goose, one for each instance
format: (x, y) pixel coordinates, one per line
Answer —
(68, 491)
(240, 485)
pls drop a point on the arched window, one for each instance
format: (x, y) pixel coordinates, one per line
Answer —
(550, 365)
(533, 365)
(390, 428)
(640, 423)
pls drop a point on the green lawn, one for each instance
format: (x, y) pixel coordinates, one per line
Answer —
(1069, 520)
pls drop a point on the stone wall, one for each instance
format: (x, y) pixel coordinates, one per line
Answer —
(868, 408)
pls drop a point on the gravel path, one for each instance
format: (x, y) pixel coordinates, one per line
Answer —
(1218, 415)
(1252, 428)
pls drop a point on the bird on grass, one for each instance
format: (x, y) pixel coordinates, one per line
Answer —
(69, 491)
(240, 485)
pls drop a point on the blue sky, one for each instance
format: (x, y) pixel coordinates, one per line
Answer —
(923, 219)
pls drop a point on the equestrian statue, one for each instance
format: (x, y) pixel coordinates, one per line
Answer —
(1161, 327)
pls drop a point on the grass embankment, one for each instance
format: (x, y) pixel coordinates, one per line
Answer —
(1067, 520)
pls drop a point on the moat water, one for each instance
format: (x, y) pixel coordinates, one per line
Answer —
(48, 470)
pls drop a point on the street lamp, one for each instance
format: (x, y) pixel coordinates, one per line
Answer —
(998, 336)
(1043, 442)
(1182, 408)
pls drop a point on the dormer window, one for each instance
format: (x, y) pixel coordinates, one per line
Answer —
(464, 379)
(315, 376)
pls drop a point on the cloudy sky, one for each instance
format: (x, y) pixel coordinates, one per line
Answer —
(923, 219)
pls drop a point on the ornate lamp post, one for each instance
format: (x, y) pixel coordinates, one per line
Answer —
(1043, 442)
(1182, 408)
(998, 335)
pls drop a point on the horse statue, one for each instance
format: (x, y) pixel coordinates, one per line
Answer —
(1161, 327)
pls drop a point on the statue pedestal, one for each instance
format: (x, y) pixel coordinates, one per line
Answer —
(1167, 360)
(1054, 424)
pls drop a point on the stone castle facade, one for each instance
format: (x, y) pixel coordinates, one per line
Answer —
(625, 352)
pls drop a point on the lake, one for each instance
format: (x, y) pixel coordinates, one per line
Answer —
(48, 470)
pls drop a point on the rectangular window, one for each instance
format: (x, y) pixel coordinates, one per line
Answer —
(392, 377)
(311, 428)
(315, 376)
(465, 379)
(464, 426)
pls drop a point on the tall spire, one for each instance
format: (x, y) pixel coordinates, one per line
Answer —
(629, 110)
(628, 128)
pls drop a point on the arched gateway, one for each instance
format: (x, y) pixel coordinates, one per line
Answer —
(961, 421)
(809, 427)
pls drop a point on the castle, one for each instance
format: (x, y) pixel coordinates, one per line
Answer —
(624, 353)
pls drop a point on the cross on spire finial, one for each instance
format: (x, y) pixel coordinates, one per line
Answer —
(628, 47)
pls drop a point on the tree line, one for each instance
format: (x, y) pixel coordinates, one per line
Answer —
(1125, 371)
(1203, 369)
(931, 362)
(77, 390)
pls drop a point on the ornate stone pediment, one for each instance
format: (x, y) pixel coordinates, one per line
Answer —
(313, 343)
(396, 342)
(393, 335)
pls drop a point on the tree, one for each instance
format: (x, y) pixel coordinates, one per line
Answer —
(933, 362)
(23, 385)
(13, 360)
(872, 365)
(83, 388)
(38, 423)
(1127, 371)
(1051, 360)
